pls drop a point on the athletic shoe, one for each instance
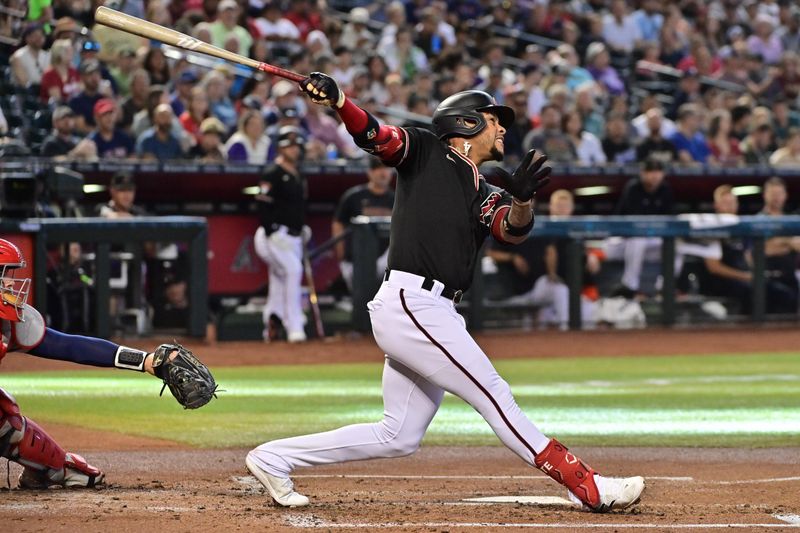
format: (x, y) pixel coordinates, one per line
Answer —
(297, 336)
(615, 492)
(281, 489)
(77, 474)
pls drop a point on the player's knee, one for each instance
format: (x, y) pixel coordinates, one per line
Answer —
(399, 443)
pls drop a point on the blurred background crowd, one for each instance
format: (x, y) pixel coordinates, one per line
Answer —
(591, 81)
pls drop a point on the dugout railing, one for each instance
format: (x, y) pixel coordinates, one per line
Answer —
(756, 229)
(40, 235)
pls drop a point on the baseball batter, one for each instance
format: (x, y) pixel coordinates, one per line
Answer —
(443, 211)
(23, 329)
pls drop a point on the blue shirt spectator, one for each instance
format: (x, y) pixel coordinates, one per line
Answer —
(688, 140)
(158, 142)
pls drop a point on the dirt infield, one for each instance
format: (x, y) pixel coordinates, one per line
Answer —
(162, 486)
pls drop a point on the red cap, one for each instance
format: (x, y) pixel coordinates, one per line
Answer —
(104, 105)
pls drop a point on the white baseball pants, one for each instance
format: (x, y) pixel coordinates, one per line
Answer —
(428, 351)
(283, 255)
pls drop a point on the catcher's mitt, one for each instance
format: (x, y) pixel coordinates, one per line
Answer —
(188, 379)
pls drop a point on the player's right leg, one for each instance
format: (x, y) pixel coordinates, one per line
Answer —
(409, 402)
(46, 464)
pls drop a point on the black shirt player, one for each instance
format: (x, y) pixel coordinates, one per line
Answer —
(443, 212)
(278, 241)
(375, 199)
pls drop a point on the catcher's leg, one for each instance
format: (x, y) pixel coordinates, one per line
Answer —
(23, 441)
(410, 402)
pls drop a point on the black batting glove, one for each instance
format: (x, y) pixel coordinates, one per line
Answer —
(323, 90)
(529, 177)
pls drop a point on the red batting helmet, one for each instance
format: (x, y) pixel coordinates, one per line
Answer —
(13, 292)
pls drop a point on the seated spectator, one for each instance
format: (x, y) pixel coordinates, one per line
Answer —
(155, 63)
(83, 103)
(784, 119)
(249, 144)
(183, 86)
(136, 101)
(599, 66)
(757, 147)
(590, 110)
(62, 143)
(158, 142)
(689, 141)
(111, 142)
(617, 145)
(724, 147)
(587, 146)
(649, 20)
(227, 23)
(196, 111)
(577, 76)
(549, 138)
(355, 34)
(654, 144)
(219, 102)
(209, 148)
(90, 51)
(28, 63)
(375, 198)
(123, 71)
(273, 27)
(620, 28)
(764, 41)
(647, 194)
(730, 275)
(60, 81)
(789, 155)
(403, 57)
(688, 92)
(324, 129)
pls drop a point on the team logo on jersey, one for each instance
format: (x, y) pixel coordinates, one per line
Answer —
(487, 207)
(371, 134)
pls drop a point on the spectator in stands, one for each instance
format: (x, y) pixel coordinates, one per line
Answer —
(784, 118)
(62, 143)
(61, 80)
(688, 92)
(323, 129)
(155, 63)
(598, 62)
(305, 16)
(209, 148)
(724, 147)
(111, 142)
(764, 41)
(576, 74)
(549, 138)
(588, 107)
(740, 121)
(83, 103)
(122, 190)
(648, 194)
(788, 155)
(179, 99)
(403, 57)
(355, 34)
(756, 147)
(620, 29)
(730, 275)
(273, 27)
(138, 98)
(219, 102)
(90, 51)
(375, 198)
(226, 24)
(649, 20)
(123, 71)
(29, 62)
(689, 141)
(617, 145)
(196, 111)
(789, 34)
(588, 149)
(158, 141)
(654, 144)
(248, 144)
(344, 68)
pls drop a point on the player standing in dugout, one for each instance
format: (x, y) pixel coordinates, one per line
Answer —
(443, 212)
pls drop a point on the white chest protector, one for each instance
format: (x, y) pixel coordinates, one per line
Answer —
(22, 336)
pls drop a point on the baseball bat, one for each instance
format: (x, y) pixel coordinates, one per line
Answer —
(148, 30)
(312, 294)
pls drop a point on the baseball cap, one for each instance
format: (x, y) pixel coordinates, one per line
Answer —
(282, 88)
(123, 180)
(212, 125)
(103, 106)
(65, 25)
(89, 66)
(90, 46)
(289, 112)
(652, 163)
(359, 15)
(289, 136)
(63, 111)
(227, 4)
(187, 76)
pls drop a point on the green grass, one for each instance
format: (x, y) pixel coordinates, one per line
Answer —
(724, 400)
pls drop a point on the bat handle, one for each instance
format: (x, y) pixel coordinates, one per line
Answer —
(283, 73)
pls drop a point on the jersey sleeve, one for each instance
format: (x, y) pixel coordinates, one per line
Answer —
(28, 334)
(417, 146)
(344, 211)
(495, 204)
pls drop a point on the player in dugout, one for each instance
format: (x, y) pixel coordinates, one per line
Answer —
(443, 211)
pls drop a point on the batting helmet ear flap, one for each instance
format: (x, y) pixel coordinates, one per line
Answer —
(460, 115)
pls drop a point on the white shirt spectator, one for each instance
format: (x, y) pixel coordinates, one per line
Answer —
(536, 100)
(256, 153)
(33, 64)
(621, 36)
(640, 125)
(590, 150)
(283, 28)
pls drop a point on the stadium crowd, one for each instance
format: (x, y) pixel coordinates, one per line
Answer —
(592, 81)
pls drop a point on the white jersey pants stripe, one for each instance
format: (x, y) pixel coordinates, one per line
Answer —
(428, 351)
(283, 254)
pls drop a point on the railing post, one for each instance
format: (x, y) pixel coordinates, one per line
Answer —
(759, 279)
(575, 281)
(668, 275)
(198, 283)
(102, 289)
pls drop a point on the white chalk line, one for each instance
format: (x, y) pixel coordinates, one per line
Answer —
(789, 518)
(312, 522)
(765, 480)
(508, 477)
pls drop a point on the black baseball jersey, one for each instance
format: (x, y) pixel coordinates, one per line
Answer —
(635, 200)
(286, 200)
(359, 200)
(443, 211)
